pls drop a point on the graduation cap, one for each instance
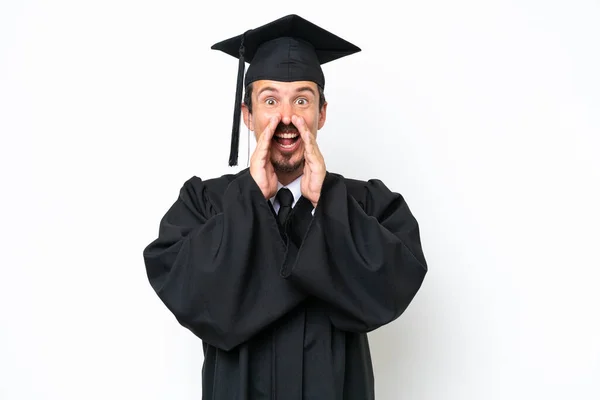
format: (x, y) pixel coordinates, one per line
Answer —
(288, 49)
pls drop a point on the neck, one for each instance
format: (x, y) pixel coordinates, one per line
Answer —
(287, 178)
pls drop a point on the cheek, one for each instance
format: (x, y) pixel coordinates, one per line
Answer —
(260, 122)
(267, 115)
(311, 122)
(261, 119)
(310, 117)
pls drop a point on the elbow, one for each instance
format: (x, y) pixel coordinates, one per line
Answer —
(398, 294)
(380, 318)
(221, 337)
(362, 323)
(217, 328)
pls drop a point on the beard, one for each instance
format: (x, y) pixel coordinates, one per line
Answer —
(283, 164)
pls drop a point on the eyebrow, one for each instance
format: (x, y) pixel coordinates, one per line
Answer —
(306, 89)
(300, 89)
(265, 89)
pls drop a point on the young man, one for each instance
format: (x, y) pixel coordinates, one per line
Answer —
(283, 268)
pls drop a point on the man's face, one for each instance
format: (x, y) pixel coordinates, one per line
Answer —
(284, 99)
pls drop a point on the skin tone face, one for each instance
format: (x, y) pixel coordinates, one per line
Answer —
(289, 104)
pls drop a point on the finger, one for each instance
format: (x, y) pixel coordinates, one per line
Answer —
(300, 124)
(267, 135)
(305, 133)
(264, 142)
(311, 148)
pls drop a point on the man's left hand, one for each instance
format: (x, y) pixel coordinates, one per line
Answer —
(314, 164)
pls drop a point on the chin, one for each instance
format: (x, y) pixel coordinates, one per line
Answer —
(287, 165)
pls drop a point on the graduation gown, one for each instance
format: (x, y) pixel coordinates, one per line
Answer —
(283, 313)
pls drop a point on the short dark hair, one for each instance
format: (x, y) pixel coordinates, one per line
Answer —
(248, 97)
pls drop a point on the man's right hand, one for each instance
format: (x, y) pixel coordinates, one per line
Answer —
(261, 168)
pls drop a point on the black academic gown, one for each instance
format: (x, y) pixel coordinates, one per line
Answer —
(284, 314)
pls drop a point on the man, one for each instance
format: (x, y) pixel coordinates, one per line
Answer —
(283, 268)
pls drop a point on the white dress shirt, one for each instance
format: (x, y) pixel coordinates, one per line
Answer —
(294, 187)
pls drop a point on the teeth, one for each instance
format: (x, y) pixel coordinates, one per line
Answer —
(286, 135)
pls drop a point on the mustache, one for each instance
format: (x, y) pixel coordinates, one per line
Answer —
(285, 128)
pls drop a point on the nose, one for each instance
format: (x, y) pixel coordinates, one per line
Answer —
(286, 113)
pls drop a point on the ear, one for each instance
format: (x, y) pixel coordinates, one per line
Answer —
(322, 115)
(247, 117)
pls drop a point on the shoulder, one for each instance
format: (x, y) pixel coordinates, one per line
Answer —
(373, 195)
(362, 189)
(202, 192)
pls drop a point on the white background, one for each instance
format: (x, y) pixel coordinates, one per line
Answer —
(484, 115)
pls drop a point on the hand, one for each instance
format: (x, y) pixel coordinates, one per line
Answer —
(314, 164)
(261, 168)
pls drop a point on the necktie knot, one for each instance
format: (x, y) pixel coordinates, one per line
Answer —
(285, 199)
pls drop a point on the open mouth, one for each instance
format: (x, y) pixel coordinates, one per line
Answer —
(287, 140)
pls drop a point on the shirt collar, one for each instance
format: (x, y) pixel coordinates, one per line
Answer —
(294, 187)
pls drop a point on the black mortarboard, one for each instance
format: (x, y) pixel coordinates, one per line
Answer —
(288, 49)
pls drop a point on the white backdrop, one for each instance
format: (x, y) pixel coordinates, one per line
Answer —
(484, 115)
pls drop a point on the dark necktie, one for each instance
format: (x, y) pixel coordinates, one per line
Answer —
(285, 199)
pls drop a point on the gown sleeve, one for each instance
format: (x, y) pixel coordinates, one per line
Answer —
(216, 263)
(364, 259)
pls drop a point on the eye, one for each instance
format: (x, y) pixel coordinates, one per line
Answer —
(270, 101)
(302, 101)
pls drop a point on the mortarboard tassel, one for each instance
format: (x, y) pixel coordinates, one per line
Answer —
(235, 133)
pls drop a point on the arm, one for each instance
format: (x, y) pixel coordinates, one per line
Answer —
(216, 266)
(365, 261)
